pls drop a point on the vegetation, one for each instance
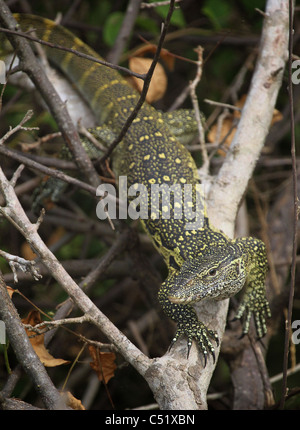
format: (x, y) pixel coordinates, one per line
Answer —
(78, 356)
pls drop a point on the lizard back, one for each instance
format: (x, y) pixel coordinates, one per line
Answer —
(148, 155)
(203, 263)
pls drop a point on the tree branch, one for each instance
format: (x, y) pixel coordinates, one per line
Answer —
(27, 161)
(288, 321)
(255, 121)
(176, 382)
(253, 127)
(72, 51)
(30, 65)
(132, 11)
(14, 212)
(144, 91)
(25, 353)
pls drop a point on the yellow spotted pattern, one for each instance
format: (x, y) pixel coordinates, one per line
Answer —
(149, 154)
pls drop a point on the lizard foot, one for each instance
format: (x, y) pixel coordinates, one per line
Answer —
(198, 331)
(261, 312)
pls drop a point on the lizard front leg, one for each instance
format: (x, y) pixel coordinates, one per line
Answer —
(254, 300)
(187, 322)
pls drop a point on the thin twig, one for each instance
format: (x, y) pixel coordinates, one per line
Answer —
(31, 164)
(147, 81)
(85, 132)
(99, 268)
(288, 321)
(157, 4)
(232, 91)
(72, 51)
(44, 326)
(46, 170)
(19, 263)
(192, 87)
(25, 353)
(17, 175)
(19, 127)
(290, 371)
(34, 70)
(224, 105)
(132, 11)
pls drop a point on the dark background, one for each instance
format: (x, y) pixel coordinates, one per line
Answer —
(229, 32)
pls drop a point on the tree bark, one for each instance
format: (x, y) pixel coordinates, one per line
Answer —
(177, 382)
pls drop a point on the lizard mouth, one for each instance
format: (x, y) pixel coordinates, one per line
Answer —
(180, 300)
(193, 297)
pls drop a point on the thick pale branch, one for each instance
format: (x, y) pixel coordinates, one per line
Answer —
(14, 212)
(178, 383)
(232, 180)
(255, 121)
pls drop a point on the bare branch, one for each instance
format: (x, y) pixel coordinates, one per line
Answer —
(147, 81)
(223, 105)
(156, 4)
(30, 163)
(256, 117)
(19, 263)
(30, 65)
(25, 353)
(45, 326)
(296, 210)
(72, 51)
(18, 127)
(15, 213)
(132, 11)
(193, 85)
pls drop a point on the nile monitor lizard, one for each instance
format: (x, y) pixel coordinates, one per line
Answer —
(202, 262)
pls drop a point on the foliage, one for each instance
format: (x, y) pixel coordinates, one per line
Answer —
(229, 32)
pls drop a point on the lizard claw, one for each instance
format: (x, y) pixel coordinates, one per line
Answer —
(202, 335)
(260, 312)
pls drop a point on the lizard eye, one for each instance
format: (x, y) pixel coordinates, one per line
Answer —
(212, 272)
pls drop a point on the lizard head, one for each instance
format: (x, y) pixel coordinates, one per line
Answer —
(217, 275)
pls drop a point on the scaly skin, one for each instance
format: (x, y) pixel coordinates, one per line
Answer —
(202, 261)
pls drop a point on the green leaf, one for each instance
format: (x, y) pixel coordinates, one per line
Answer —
(100, 11)
(218, 12)
(177, 17)
(147, 24)
(112, 27)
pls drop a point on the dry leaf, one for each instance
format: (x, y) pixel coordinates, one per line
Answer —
(57, 234)
(158, 84)
(165, 55)
(10, 291)
(103, 363)
(227, 126)
(72, 402)
(26, 252)
(277, 116)
(37, 341)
